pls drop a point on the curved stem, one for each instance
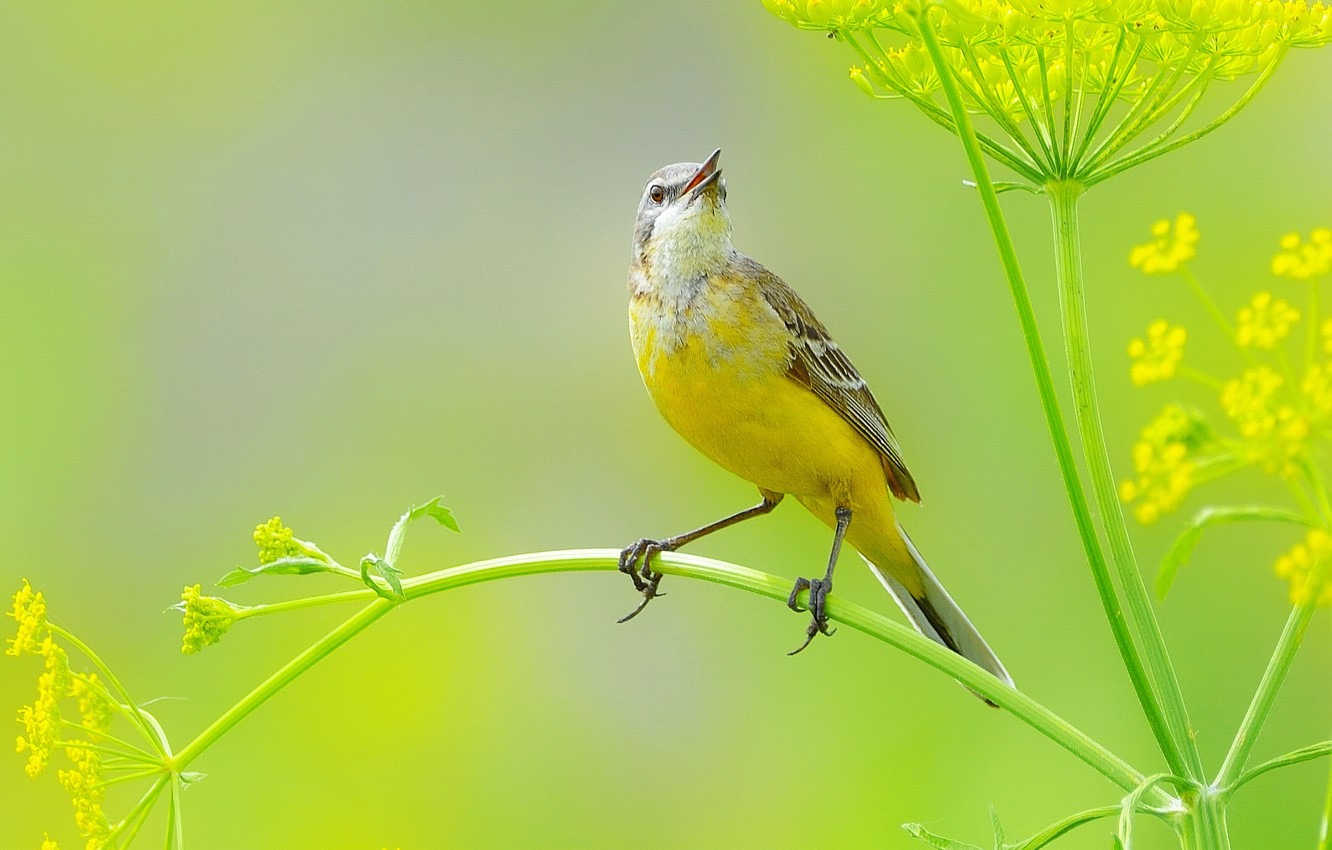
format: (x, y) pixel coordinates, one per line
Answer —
(1054, 419)
(1018, 704)
(1178, 744)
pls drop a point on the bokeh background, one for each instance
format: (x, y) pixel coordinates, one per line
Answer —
(327, 260)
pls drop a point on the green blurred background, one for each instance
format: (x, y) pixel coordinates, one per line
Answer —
(327, 260)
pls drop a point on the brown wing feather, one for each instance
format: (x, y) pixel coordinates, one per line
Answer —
(819, 364)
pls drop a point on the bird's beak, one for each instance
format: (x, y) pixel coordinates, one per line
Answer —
(707, 175)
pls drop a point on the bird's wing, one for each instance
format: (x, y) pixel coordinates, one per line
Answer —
(819, 364)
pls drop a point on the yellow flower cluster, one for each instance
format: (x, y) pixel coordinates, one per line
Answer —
(1302, 260)
(1297, 565)
(1030, 64)
(1264, 322)
(1275, 428)
(83, 782)
(30, 613)
(49, 843)
(275, 541)
(1161, 461)
(41, 720)
(1171, 246)
(207, 619)
(1156, 357)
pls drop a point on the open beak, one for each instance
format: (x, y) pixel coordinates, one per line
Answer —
(707, 175)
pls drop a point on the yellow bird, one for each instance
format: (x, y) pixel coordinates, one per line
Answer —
(737, 363)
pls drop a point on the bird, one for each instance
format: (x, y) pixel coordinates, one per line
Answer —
(737, 363)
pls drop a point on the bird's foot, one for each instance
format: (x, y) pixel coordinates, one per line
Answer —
(818, 598)
(636, 562)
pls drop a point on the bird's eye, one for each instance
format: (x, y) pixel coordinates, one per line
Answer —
(656, 193)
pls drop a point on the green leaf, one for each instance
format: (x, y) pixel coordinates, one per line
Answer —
(998, 828)
(432, 509)
(938, 842)
(190, 777)
(1050, 833)
(282, 566)
(1188, 540)
(389, 573)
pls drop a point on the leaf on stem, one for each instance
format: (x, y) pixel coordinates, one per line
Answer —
(282, 566)
(387, 572)
(432, 509)
(1182, 550)
(917, 831)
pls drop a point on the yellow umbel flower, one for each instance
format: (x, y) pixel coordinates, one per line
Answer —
(276, 541)
(83, 782)
(48, 843)
(1171, 246)
(1155, 358)
(30, 613)
(1248, 400)
(94, 707)
(207, 619)
(1161, 461)
(41, 720)
(1264, 322)
(1301, 260)
(1296, 566)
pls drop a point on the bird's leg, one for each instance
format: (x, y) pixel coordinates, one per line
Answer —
(820, 588)
(636, 559)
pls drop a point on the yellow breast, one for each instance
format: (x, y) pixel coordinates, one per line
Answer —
(715, 366)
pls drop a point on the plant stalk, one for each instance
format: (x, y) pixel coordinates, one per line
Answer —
(1018, 704)
(1181, 749)
(1054, 419)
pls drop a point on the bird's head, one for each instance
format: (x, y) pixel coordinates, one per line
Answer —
(682, 225)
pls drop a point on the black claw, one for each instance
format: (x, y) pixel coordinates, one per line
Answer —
(818, 600)
(636, 562)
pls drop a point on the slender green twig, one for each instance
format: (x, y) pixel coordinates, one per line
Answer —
(861, 619)
(1303, 754)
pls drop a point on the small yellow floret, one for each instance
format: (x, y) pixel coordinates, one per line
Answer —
(1296, 566)
(207, 619)
(30, 613)
(1161, 461)
(1155, 358)
(1264, 322)
(1170, 247)
(1302, 260)
(275, 541)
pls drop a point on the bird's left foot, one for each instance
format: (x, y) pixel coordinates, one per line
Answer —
(636, 562)
(818, 599)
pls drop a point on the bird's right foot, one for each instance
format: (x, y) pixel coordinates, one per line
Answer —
(818, 596)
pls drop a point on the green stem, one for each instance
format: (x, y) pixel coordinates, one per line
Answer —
(1303, 754)
(1178, 743)
(1050, 405)
(1018, 704)
(1277, 667)
(1204, 824)
(135, 814)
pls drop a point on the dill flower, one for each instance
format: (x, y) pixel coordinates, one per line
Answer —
(1303, 260)
(1155, 358)
(1296, 565)
(1065, 88)
(30, 613)
(1248, 401)
(1171, 245)
(1264, 322)
(83, 783)
(41, 720)
(49, 843)
(1165, 472)
(276, 541)
(207, 619)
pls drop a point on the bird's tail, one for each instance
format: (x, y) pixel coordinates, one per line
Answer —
(936, 616)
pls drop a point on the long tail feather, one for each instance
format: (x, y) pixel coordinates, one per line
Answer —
(936, 616)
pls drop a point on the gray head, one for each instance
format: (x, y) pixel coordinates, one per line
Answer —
(682, 219)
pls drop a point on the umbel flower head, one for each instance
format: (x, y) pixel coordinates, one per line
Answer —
(1067, 86)
(207, 619)
(1278, 408)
